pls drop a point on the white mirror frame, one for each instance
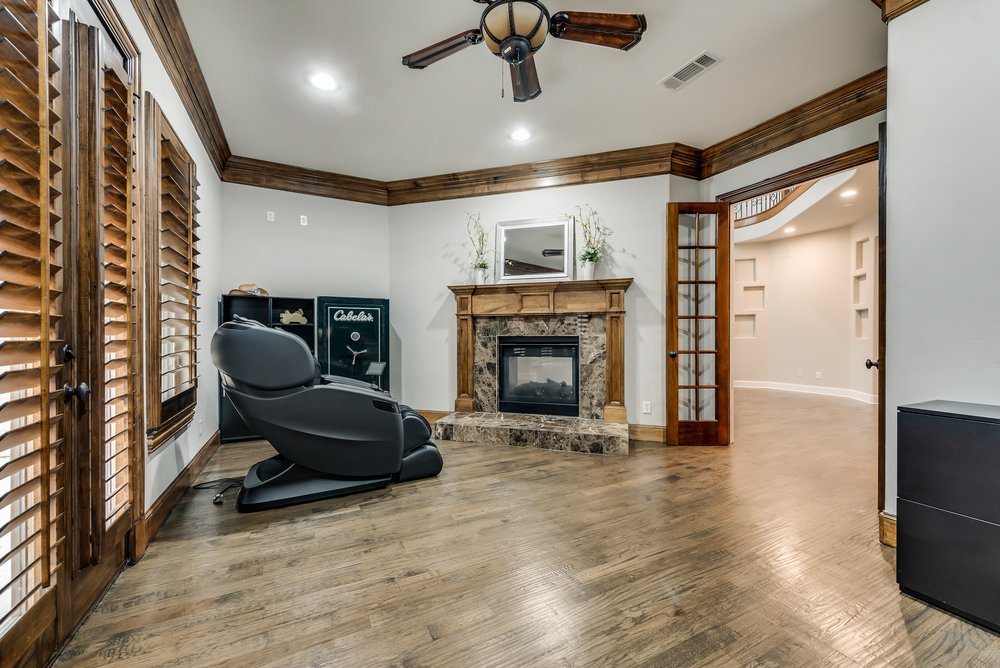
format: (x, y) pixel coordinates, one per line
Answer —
(569, 256)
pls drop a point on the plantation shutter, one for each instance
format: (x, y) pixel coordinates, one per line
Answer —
(120, 293)
(172, 216)
(32, 502)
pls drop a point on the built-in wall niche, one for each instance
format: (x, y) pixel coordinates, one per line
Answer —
(860, 281)
(746, 271)
(745, 327)
(860, 250)
(753, 298)
(861, 326)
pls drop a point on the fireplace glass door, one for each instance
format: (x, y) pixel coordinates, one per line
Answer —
(539, 375)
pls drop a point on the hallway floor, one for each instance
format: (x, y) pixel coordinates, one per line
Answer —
(761, 554)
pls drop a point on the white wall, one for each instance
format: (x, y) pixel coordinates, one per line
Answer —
(429, 250)
(943, 237)
(169, 460)
(343, 250)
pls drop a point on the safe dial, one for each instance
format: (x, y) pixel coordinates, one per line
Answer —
(355, 336)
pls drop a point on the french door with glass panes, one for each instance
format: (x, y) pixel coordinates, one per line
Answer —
(698, 324)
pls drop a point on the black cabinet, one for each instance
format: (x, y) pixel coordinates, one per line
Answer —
(286, 313)
(948, 511)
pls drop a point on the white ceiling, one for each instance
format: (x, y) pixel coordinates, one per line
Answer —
(388, 122)
(826, 207)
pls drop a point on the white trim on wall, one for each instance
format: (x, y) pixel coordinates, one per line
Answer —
(808, 389)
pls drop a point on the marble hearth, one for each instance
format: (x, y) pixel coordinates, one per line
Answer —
(593, 311)
(546, 432)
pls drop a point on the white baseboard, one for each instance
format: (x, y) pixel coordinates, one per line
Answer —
(808, 389)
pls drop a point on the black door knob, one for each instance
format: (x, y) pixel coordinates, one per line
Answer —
(672, 353)
(869, 364)
(81, 391)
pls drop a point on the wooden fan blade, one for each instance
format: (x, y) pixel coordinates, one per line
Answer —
(421, 59)
(524, 80)
(620, 31)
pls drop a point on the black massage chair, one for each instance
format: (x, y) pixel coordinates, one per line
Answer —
(334, 435)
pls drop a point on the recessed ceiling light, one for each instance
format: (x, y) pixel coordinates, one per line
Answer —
(849, 193)
(323, 82)
(789, 229)
(520, 135)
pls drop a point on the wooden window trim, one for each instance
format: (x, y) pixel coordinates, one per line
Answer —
(160, 430)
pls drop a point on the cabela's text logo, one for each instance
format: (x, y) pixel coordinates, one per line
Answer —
(350, 316)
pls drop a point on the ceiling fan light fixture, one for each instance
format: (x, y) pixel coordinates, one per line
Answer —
(514, 29)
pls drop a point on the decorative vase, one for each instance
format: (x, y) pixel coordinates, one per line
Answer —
(586, 271)
(482, 278)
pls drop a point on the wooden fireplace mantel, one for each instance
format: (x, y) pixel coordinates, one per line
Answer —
(605, 296)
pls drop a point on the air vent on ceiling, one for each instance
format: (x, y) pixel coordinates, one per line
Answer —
(689, 71)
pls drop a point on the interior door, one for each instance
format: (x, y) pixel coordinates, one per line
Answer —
(698, 386)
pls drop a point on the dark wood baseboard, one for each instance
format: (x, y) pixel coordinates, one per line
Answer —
(647, 432)
(153, 519)
(887, 529)
(433, 416)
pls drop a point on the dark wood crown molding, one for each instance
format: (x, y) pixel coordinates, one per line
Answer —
(892, 9)
(163, 23)
(632, 163)
(277, 176)
(817, 170)
(165, 27)
(851, 102)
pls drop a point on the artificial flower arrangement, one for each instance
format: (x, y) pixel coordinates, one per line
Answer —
(480, 238)
(595, 233)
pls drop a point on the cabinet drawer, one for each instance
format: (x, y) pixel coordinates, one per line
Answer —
(950, 560)
(950, 463)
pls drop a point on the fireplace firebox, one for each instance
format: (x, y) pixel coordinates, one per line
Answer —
(539, 374)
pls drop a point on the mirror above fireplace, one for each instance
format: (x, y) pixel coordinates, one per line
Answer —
(539, 249)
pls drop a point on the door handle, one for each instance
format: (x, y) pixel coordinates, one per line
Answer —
(869, 364)
(672, 353)
(81, 392)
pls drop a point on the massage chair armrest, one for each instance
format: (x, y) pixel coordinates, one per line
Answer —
(349, 382)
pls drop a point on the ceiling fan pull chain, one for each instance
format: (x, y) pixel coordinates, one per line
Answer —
(501, 78)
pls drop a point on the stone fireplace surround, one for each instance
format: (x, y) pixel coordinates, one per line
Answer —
(592, 310)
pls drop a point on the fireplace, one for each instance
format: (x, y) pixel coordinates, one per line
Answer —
(539, 374)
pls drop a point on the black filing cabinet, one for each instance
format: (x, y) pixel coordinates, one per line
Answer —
(948, 511)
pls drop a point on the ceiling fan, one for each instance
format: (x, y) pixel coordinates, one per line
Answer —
(515, 29)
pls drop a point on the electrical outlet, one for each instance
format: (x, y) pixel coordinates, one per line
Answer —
(819, 375)
(647, 407)
(303, 220)
(270, 216)
(201, 427)
(800, 373)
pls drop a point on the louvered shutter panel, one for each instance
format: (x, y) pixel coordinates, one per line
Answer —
(31, 498)
(118, 305)
(175, 218)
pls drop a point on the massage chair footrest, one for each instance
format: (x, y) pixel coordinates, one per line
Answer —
(421, 462)
(278, 482)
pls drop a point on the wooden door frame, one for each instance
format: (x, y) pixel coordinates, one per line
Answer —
(849, 159)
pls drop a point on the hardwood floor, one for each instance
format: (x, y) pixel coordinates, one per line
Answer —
(763, 554)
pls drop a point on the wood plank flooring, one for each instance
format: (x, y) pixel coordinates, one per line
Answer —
(763, 554)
